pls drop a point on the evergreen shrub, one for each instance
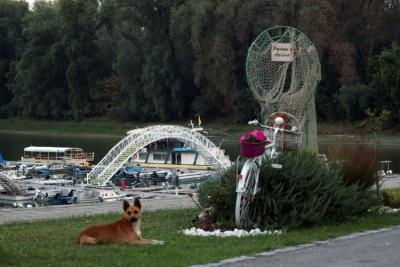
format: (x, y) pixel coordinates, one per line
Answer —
(305, 191)
(221, 195)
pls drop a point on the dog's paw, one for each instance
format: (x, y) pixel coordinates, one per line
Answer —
(157, 242)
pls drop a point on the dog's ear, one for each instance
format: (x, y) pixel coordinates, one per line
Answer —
(137, 203)
(126, 205)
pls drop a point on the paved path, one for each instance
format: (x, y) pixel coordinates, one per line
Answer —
(157, 202)
(392, 181)
(377, 248)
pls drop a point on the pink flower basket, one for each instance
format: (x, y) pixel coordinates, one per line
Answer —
(251, 149)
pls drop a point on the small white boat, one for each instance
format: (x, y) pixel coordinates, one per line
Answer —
(109, 196)
(87, 196)
(13, 175)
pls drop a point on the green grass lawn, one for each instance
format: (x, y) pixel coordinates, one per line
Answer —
(52, 242)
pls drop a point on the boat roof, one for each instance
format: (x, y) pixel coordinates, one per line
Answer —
(49, 149)
(182, 149)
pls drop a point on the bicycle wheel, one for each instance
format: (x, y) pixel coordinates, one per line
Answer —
(246, 192)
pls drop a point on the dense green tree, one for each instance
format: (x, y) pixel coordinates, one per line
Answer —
(355, 100)
(347, 35)
(40, 87)
(386, 80)
(171, 59)
(221, 34)
(163, 58)
(327, 95)
(11, 45)
(184, 91)
(132, 104)
(79, 21)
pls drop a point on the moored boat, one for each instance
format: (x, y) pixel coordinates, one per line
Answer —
(57, 155)
(171, 154)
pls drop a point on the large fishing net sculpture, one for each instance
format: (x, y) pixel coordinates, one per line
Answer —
(282, 71)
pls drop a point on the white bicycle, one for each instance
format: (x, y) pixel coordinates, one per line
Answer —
(247, 181)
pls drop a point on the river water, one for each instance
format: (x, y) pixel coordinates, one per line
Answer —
(12, 146)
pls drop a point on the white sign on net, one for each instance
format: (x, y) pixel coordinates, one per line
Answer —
(282, 52)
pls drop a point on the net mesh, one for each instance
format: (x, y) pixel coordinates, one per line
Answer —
(286, 86)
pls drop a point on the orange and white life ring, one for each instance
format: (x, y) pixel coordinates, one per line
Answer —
(134, 156)
(281, 124)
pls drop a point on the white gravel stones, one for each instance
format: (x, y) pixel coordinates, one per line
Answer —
(393, 210)
(235, 233)
(383, 210)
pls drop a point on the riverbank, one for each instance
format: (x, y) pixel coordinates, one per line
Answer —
(107, 128)
(327, 132)
(101, 127)
(98, 127)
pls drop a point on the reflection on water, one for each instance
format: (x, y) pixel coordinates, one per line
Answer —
(12, 146)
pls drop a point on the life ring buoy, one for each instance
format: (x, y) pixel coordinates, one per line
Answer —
(282, 124)
(134, 156)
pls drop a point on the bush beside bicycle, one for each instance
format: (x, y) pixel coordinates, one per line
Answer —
(220, 194)
(302, 193)
(305, 191)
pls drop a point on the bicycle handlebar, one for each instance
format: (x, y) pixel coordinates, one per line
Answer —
(253, 122)
(256, 122)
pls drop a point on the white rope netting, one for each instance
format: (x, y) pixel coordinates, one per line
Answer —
(287, 85)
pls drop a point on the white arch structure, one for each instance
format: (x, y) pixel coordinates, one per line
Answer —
(138, 139)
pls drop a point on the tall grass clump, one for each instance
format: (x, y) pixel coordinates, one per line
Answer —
(304, 192)
(359, 163)
(390, 198)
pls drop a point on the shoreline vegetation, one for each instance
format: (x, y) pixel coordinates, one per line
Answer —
(107, 128)
(101, 127)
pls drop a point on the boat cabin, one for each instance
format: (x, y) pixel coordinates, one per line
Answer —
(57, 155)
(169, 153)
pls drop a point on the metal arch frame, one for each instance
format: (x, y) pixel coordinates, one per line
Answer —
(131, 144)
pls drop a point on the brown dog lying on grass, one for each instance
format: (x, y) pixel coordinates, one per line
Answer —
(125, 230)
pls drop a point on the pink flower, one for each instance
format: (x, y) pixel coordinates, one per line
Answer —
(260, 136)
(254, 136)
